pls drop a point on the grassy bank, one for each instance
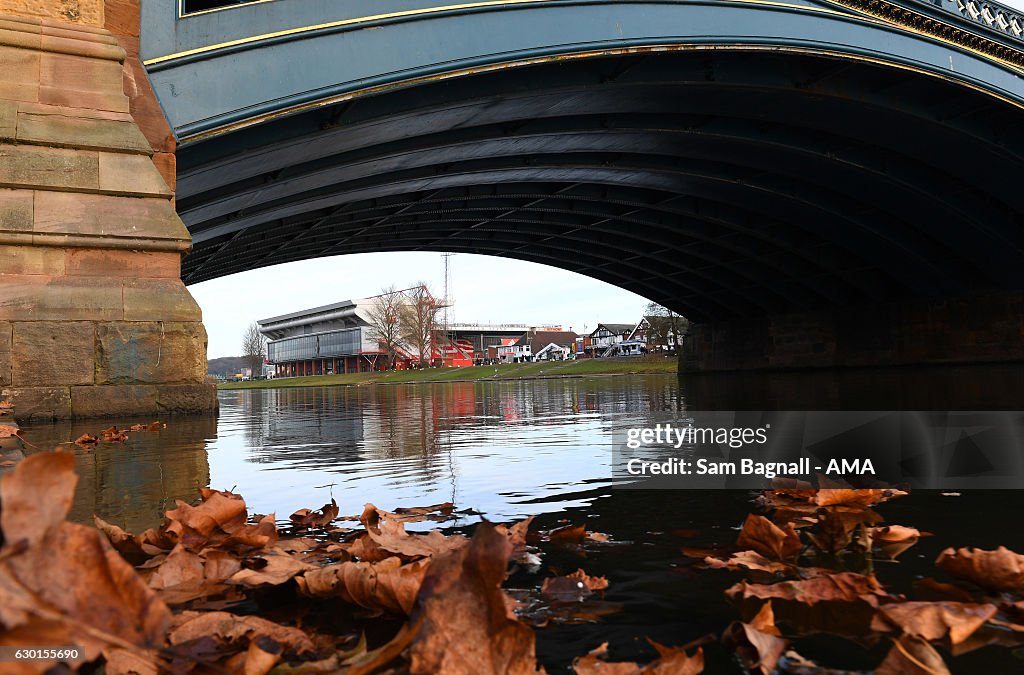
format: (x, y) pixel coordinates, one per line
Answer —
(580, 368)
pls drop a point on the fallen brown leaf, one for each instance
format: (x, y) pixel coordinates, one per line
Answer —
(998, 570)
(465, 625)
(388, 585)
(768, 539)
(671, 661)
(575, 586)
(851, 497)
(308, 518)
(842, 603)
(271, 567)
(570, 534)
(757, 644)
(954, 621)
(67, 574)
(372, 515)
(86, 440)
(834, 529)
(893, 540)
(392, 538)
(236, 632)
(912, 655)
(750, 560)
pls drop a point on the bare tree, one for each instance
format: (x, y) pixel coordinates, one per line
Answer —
(385, 318)
(666, 327)
(419, 321)
(254, 349)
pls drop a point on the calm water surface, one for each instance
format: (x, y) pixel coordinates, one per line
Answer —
(542, 447)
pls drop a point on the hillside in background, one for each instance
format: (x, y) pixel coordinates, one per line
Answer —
(226, 365)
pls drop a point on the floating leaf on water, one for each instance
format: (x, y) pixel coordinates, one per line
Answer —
(671, 661)
(757, 644)
(768, 539)
(843, 603)
(305, 518)
(998, 570)
(569, 534)
(912, 655)
(952, 621)
(575, 586)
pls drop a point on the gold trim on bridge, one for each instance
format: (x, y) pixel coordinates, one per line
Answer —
(583, 55)
(878, 12)
(335, 24)
(298, 30)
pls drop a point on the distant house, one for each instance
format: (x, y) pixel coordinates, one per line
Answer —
(540, 345)
(606, 336)
(642, 330)
(656, 332)
(504, 351)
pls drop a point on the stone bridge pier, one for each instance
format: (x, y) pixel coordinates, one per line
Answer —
(94, 318)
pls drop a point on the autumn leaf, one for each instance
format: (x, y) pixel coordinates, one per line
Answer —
(750, 560)
(842, 603)
(153, 426)
(517, 533)
(86, 441)
(998, 570)
(757, 644)
(852, 497)
(575, 586)
(271, 567)
(305, 518)
(893, 540)
(215, 512)
(372, 515)
(570, 534)
(67, 574)
(833, 531)
(113, 435)
(933, 620)
(388, 585)
(912, 655)
(235, 633)
(392, 538)
(768, 539)
(465, 624)
(671, 661)
(123, 542)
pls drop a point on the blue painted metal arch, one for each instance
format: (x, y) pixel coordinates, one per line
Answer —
(251, 63)
(723, 158)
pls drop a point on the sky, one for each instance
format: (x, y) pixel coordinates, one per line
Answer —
(483, 289)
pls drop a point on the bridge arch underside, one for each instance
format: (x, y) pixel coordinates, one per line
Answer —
(723, 183)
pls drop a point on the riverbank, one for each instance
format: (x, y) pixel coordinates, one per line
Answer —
(653, 365)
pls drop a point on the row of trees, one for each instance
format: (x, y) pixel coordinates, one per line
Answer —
(405, 320)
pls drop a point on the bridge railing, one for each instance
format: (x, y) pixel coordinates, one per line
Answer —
(991, 14)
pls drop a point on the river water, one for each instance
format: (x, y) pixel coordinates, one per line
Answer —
(510, 449)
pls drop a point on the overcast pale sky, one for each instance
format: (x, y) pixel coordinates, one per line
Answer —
(484, 288)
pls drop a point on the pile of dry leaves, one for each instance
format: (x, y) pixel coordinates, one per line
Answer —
(809, 570)
(159, 601)
(216, 589)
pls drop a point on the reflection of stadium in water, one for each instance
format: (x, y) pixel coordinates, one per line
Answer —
(411, 434)
(324, 425)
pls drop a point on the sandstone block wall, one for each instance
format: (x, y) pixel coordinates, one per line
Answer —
(94, 319)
